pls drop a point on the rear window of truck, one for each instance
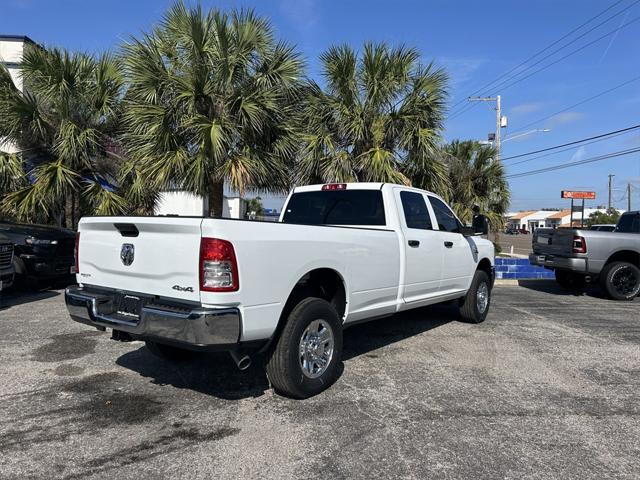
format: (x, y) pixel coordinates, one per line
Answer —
(336, 207)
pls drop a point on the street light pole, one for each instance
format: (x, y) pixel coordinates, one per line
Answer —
(498, 118)
(535, 130)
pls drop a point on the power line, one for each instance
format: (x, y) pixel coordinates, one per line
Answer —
(573, 52)
(563, 150)
(608, 134)
(543, 50)
(503, 87)
(593, 97)
(573, 164)
(614, 31)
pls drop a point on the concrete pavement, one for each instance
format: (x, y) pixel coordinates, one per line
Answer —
(547, 387)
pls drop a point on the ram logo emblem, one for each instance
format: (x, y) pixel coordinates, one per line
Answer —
(127, 254)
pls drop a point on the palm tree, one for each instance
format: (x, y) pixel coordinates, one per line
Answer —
(477, 178)
(63, 125)
(378, 118)
(211, 101)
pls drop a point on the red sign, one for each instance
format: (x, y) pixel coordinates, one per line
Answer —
(578, 195)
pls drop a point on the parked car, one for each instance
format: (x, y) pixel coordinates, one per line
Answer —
(340, 254)
(512, 231)
(603, 228)
(6, 263)
(42, 253)
(579, 256)
(523, 231)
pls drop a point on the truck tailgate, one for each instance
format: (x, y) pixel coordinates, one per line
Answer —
(553, 241)
(152, 255)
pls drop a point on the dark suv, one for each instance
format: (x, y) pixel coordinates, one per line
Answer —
(41, 252)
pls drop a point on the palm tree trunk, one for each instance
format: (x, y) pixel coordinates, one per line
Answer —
(216, 199)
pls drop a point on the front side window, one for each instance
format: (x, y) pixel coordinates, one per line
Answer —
(415, 210)
(447, 221)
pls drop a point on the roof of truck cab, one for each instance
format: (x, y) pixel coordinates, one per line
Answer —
(357, 186)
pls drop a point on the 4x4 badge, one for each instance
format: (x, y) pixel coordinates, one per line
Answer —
(127, 254)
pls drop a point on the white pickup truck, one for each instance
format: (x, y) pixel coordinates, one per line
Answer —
(340, 254)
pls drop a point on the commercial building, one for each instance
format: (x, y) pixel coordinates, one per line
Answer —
(532, 219)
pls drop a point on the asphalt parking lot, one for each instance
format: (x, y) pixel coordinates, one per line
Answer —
(547, 387)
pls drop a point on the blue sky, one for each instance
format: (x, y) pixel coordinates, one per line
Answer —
(475, 42)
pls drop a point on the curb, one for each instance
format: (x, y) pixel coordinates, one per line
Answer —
(514, 282)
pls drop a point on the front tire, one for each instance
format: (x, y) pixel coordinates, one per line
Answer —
(474, 306)
(621, 280)
(306, 357)
(169, 352)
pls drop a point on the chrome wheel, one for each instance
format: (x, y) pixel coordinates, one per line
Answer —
(482, 297)
(316, 348)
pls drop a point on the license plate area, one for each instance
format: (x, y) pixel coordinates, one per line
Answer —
(129, 307)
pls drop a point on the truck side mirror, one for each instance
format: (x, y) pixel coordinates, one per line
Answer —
(480, 225)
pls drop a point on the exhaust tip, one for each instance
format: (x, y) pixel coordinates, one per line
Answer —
(242, 362)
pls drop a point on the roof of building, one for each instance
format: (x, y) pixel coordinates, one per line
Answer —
(22, 38)
(521, 215)
(559, 215)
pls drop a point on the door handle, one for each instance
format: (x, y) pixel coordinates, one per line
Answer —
(414, 243)
(448, 244)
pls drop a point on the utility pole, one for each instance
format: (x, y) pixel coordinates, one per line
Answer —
(611, 175)
(628, 196)
(498, 118)
(498, 126)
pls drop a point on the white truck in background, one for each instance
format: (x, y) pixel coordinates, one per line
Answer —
(340, 254)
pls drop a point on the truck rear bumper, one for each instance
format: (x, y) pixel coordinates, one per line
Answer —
(172, 323)
(565, 263)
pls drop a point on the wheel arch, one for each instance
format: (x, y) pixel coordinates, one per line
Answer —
(630, 256)
(324, 282)
(486, 266)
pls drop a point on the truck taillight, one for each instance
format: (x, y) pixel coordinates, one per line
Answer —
(218, 266)
(579, 244)
(334, 186)
(76, 253)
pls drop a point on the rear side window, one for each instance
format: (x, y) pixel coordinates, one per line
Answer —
(629, 223)
(447, 221)
(336, 207)
(415, 210)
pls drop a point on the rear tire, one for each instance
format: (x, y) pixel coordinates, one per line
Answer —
(474, 306)
(620, 280)
(169, 352)
(305, 360)
(569, 280)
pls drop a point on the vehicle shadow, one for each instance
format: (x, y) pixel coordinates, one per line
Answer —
(212, 374)
(13, 297)
(550, 286)
(367, 337)
(216, 374)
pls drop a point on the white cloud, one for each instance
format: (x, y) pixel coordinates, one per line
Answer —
(301, 13)
(565, 117)
(460, 69)
(526, 108)
(579, 154)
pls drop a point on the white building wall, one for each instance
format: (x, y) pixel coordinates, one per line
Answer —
(11, 53)
(187, 204)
